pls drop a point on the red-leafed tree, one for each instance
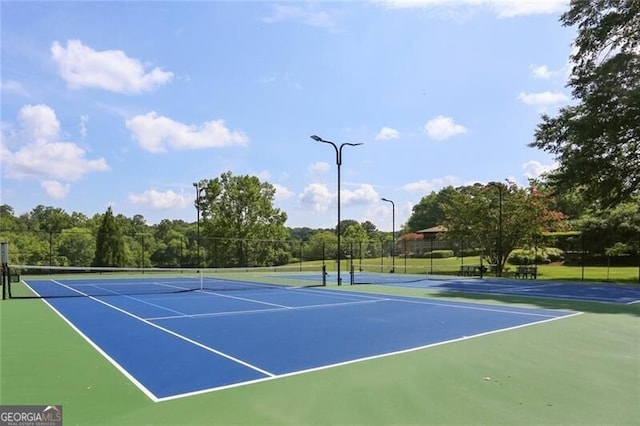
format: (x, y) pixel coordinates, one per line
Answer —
(499, 217)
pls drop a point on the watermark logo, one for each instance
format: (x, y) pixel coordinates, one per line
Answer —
(30, 415)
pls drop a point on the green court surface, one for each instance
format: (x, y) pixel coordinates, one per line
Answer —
(580, 370)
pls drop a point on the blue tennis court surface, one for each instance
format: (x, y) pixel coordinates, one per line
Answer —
(176, 345)
(594, 292)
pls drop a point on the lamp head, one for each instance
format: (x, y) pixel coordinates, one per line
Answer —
(316, 138)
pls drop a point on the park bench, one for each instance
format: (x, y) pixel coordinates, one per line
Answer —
(527, 271)
(469, 270)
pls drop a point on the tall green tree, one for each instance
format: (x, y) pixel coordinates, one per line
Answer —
(428, 212)
(241, 224)
(76, 247)
(355, 242)
(110, 247)
(604, 229)
(322, 245)
(596, 140)
(498, 218)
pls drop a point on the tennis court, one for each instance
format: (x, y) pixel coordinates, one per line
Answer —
(592, 292)
(196, 334)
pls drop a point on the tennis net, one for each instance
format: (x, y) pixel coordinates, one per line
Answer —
(372, 274)
(28, 281)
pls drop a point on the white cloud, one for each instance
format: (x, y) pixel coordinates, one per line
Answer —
(156, 133)
(55, 189)
(443, 128)
(263, 175)
(39, 122)
(427, 186)
(319, 167)
(387, 133)
(502, 8)
(156, 200)
(543, 99)
(42, 155)
(282, 192)
(306, 15)
(534, 169)
(317, 197)
(364, 194)
(84, 119)
(12, 86)
(81, 66)
(541, 72)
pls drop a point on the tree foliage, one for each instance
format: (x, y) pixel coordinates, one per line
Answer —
(110, 248)
(618, 227)
(236, 209)
(428, 212)
(596, 140)
(498, 218)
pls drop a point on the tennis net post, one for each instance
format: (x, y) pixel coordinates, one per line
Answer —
(352, 275)
(324, 275)
(4, 259)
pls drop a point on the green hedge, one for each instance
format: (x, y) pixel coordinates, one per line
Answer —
(439, 254)
(539, 256)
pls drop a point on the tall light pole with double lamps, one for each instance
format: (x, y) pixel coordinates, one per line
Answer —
(393, 234)
(198, 192)
(338, 163)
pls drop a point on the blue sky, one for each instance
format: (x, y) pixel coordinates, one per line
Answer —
(126, 104)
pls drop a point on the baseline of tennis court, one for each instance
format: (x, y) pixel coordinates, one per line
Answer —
(594, 292)
(176, 345)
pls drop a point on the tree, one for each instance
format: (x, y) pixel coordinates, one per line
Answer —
(498, 218)
(346, 223)
(356, 241)
(110, 248)
(76, 247)
(596, 141)
(428, 212)
(619, 226)
(321, 245)
(241, 225)
(371, 229)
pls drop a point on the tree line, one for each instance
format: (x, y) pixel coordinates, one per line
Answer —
(239, 226)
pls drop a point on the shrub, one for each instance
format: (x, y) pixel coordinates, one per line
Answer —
(439, 254)
(540, 256)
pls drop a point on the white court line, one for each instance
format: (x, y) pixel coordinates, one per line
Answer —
(260, 302)
(260, 311)
(353, 361)
(479, 308)
(145, 301)
(173, 333)
(95, 346)
(271, 376)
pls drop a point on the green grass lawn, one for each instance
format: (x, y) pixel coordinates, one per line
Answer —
(579, 370)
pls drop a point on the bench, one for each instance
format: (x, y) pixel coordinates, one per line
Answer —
(527, 271)
(470, 270)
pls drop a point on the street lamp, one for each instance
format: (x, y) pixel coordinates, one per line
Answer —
(393, 234)
(198, 192)
(338, 163)
(500, 188)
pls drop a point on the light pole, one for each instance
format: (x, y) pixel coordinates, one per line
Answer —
(500, 188)
(393, 234)
(198, 191)
(338, 163)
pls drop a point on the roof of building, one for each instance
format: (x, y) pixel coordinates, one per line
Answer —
(433, 230)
